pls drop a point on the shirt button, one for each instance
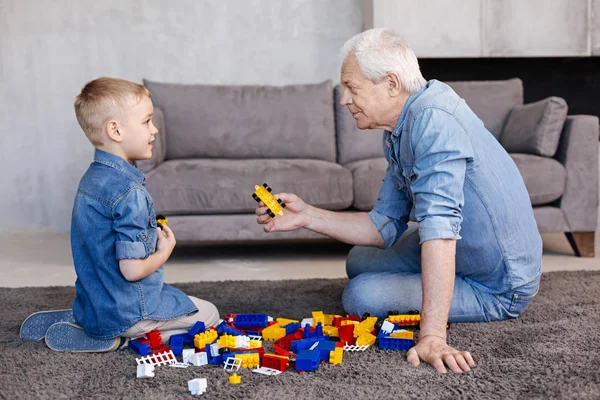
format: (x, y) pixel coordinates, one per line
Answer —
(398, 186)
(143, 236)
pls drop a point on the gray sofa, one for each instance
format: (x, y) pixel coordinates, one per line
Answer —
(217, 142)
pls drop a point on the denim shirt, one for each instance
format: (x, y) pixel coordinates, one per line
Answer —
(447, 172)
(114, 219)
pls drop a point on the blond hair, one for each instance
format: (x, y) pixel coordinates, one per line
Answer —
(103, 99)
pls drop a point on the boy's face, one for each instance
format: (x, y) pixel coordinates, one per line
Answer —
(138, 131)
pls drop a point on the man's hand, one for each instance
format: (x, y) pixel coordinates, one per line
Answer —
(166, 240)
(434, 350)
(294, 214)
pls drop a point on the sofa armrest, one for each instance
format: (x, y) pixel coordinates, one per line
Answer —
(159, 147)
(578, 152)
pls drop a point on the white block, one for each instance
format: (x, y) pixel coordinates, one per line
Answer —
(242, 342)
(145, 371)
(214, 349)
(387, 327)
(197, 386)
(307, 321)
(199, 359)
(187, 354)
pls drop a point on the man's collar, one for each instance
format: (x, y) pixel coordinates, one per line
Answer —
(116, 162)
(413, 96)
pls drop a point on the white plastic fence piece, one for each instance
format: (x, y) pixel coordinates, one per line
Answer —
(387, 327)
(145, 371)
(266, 371)
(255, 337)
(186, 355)
(197, 386)
(158, 359)
(199, 359)
(232, 363)
(348, 347)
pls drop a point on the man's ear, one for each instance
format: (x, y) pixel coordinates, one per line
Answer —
(394, 86)
(112, 130)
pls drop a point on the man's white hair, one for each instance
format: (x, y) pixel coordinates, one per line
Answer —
(379, 51)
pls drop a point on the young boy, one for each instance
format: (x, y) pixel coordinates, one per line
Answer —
(118, 250)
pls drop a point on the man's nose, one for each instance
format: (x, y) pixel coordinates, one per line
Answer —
(346, 98)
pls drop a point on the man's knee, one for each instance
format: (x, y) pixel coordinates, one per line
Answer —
(357, 297)
(355, 262)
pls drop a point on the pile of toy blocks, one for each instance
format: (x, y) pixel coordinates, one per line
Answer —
(305, 344)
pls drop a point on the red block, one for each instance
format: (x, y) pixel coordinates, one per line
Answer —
(346, 334)
(277, 363)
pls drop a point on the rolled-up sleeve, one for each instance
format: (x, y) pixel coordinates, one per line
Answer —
(391, 211)
(441, 149)
(131, 216)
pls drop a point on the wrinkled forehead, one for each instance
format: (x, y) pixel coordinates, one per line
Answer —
(351, 70)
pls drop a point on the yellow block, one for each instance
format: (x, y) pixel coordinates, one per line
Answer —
(366, 339)
(331, 330)
(349, 322)
(403, 334)
(365, 326)
(256, 344)
(235, 379)
(273, 332)
(285, 321)
(268, 199)
(335, 357)
(405, 319)
(318, 317)
(251, 360)
(329, 318)
(226, 341)
(202, 339)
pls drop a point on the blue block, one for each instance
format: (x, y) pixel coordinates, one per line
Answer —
(176, 344)
(251, 321)
(143, 349)
(391, 343)
(307, 360)
(252, 333)
(292, 327)
(223, 328)
(213, 359)
(304, 344)
(324, 348)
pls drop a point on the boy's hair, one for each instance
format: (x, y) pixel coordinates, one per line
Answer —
(103, 99)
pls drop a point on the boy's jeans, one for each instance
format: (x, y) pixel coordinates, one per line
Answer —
(384, 280)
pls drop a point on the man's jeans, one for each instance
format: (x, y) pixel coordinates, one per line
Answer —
(384, 280)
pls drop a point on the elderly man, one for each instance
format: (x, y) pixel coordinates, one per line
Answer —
(476, 253)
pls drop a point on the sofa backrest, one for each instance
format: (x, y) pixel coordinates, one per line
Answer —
(491, 101)
(218, 121)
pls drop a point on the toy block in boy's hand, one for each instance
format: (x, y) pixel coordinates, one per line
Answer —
(274, 206)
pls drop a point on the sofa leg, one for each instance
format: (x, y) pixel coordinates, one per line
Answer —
(582, 243)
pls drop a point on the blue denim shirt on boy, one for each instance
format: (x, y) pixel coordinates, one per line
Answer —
(114, 219)
(448, 173)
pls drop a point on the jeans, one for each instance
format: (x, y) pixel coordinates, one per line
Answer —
(390, 279)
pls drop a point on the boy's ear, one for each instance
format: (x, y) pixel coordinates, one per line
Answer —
(112, 129)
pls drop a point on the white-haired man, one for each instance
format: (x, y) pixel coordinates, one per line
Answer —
(476, 253)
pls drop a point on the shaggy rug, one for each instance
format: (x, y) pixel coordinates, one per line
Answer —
(552, 351)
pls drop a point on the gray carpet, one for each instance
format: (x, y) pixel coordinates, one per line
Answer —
(552, 351)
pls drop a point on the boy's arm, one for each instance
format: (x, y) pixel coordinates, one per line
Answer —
(136, 269)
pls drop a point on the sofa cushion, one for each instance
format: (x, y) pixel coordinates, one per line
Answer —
(352, 143)
(212, 121)
(209, 186)
(545, 178)
(368, 177)
(491, 101)
(535, 128)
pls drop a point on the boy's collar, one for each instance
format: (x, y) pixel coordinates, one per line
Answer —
(114, 161)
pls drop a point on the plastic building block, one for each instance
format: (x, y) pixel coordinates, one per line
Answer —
(155, 339)
(366, 339)
(366, 326)
(143, 349)
(158, 359)
(387, 327)
(329, 318)
(186, 354)
(235, 379)
(266, 371)
(285, 321)
(232, 363)
(336, 356)
(176, 343)
(403, 334)
(199, 359)
(317, 332)
(249, 360)
(274, 206)
(251, 321)
(179, 365)
(161, 220)
(390, 343)
(351, 317)
(292, 328)
(255, 344)
(226, 341)
(285, 342)
(223, 327)
(304, 344)
(278, 362)
(331, 331)
(347, 334)
(145, 371)
(196, 329)
(318, 316)
(202, 339)
(325, 348)
(355, 348)
(405, 319)
(273, 332)
(197, 386)
(308, 321)
(307, 360)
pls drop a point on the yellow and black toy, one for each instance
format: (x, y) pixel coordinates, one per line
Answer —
(161, 220)
(274, 206)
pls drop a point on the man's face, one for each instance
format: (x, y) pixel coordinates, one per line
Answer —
(138, 131)
(366, 100)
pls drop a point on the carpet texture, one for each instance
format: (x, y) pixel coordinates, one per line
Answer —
(552, 351)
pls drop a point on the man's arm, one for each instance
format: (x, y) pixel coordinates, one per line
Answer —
(353, 228)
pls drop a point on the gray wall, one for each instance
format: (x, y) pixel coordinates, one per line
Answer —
(49, 50)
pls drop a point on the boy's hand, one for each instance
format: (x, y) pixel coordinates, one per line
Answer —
(166, 239)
